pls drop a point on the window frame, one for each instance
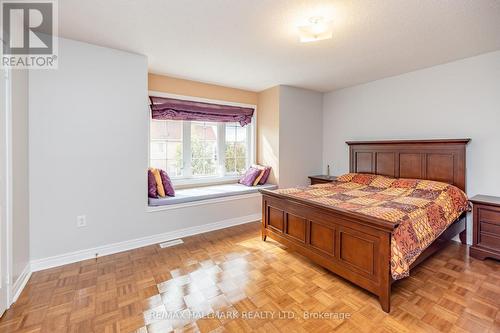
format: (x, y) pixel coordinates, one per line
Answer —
(249, 134)
(166, 141)
(187, 180)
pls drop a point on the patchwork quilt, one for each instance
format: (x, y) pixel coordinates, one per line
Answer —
(423, 209)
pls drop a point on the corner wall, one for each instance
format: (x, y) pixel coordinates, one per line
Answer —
(268, 127)
(290, 134)
(300, 135)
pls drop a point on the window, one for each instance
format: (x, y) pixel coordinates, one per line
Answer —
(196, 150)
(204, 154)
(166, 146)
(236, 152)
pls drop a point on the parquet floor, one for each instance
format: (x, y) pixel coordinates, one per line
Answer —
(240, 283)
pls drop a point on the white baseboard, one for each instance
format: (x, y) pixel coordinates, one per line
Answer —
(20, 283)
(68, 258)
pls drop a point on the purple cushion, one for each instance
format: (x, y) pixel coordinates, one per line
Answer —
(267, 172)
(249, 177)
(167, 184)
(152, 192)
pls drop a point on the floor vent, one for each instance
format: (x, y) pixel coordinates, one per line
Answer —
(171, 243)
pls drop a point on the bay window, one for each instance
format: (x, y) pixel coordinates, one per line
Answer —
(201, 151)
(198, 141)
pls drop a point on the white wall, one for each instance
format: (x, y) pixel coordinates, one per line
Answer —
(88, 155)
(20, 187)
(455, 100)
(300, 135)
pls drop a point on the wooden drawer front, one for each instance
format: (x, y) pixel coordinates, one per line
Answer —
(490, 215)
(322, 238)
(296, 227)
(489, 240)
(357, 250)
(275, 219)
(489, 228)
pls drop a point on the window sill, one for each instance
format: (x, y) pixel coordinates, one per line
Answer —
(207, 181)
(206, 195)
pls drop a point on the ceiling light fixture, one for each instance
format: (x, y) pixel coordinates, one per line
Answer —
(317, 29)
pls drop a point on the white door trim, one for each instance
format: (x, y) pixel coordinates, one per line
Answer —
(7, 195)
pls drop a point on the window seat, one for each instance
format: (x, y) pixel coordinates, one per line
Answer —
(208, 192)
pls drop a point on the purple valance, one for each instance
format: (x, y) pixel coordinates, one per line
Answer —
(176, 109)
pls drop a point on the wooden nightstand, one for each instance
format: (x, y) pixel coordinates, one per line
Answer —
(486, 227)
(320, 179)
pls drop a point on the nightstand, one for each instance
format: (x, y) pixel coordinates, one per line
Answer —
(320, 179)
(486, 227)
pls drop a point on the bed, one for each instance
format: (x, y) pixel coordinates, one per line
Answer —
(354, 243)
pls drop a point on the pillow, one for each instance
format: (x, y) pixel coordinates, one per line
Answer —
(347, 177)
(152, 192)
(167, 184)
(249, 177)
(259, 177)
(405, 183)
(265, 176)
(159, 184)
(262, 171)
(369, 179)
(360, 178)
(382, 182)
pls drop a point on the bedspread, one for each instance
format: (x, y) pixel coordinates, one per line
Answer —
(422, 209)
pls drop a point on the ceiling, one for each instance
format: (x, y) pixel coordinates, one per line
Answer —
(253, 44)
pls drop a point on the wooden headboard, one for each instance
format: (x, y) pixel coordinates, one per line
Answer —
(440, 160)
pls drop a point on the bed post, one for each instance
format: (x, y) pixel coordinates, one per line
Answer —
(263, 225)
(384, 295)
(385, 298)
(463, 234)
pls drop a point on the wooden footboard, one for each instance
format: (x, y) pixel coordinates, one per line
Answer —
(355, 247)
(352, 247)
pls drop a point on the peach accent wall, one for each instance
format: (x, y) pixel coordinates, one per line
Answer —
(199, 89)
(268, 121)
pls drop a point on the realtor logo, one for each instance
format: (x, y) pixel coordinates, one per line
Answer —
(28, 29)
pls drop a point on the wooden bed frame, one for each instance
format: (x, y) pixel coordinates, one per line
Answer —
(354, 246)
